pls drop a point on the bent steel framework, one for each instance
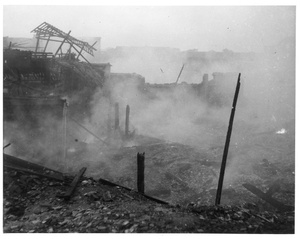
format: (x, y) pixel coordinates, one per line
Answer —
(46, 31)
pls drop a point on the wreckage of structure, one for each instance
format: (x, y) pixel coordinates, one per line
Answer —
(47, 100)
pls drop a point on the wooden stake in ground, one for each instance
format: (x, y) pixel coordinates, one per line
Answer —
(140, 172)
(225, 153)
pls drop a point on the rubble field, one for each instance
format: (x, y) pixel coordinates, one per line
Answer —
(33, 204)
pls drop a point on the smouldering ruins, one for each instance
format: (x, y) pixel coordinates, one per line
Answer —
(65, 114)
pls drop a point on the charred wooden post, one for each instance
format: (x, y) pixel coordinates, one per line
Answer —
(225, 153)
(117, 120)
(140, 172)
(127, 121)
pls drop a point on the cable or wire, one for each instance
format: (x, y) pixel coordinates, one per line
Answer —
(89, 131)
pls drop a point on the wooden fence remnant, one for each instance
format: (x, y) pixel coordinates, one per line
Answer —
(227, 142)
(140, 172)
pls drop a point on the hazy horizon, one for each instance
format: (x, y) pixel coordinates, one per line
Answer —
(237, 28)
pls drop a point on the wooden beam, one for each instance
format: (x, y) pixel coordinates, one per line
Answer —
(266, 197)
(29, 167)
(74, 184)
(41, 38)
(65, 39)
(81, 55)
(105, 182)
(47, 43)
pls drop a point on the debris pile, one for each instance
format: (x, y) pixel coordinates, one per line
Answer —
(32, 204)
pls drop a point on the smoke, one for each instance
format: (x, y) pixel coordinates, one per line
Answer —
(174, 113)
(38, 141)
(177, 113)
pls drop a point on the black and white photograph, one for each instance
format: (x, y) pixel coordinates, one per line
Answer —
(151, 118)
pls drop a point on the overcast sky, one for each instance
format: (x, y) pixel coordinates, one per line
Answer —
(192, 27)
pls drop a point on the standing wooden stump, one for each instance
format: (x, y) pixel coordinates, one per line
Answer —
(140, 172)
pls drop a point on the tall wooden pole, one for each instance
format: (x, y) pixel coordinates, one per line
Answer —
(225, 153)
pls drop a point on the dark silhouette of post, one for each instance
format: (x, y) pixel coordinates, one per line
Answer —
(227, 142)
(127, 121)
(140, 172)
(117, 121)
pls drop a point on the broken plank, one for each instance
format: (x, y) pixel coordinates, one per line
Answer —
(74, 184)
(34, 173)
(29, 167)
(267, 198)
